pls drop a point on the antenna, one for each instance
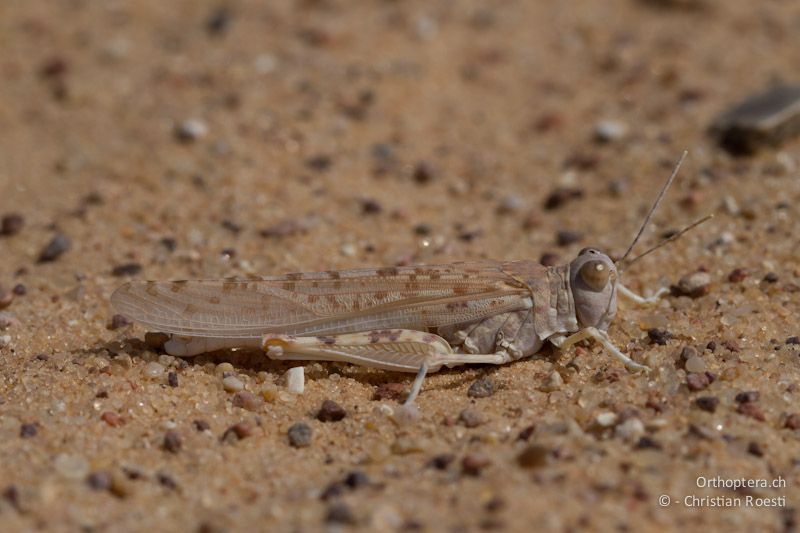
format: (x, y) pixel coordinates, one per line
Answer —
(671, 238)
(655, 206)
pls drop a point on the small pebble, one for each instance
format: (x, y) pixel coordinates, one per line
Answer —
(153, 370)
(560, 196)
(201, 425)
(5, 340)
(697, 382)
(58, 245)
(331, 411)
(424, 172)
(190, 130)
(794, 339)
(100, 480)
(172, 441)
(127, 269)
(752, 410)
(792, 421)
(232, 384)
(111, 418)
(606, 419)
(754, 448)
(630, 430)
(648, 443)
(26, 431)
(11, 224)
(707, 403)
(172, 379)
(554, 382)
(481, 388)
(74, 467)
(609, 130)
(659, 336)
(118, 321)
(8, 320)
(300, 435)
(471, 418)
(442, 461)
(19, 290)
(404, 445)
(693, 285)
(695, 364)
(474, 463)
(771, 277)
(295, 380)
(533, 456)
(6, 297)
(549, 259)
(750, 396)
(236, 432)
(247, 400)
(738, 275)
(370, 206)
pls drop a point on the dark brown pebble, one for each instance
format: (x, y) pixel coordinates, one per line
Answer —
(247, 400)
(370, 206)
(473, 463)
(27, 431)
(525, 434)
(11, 495)
(549, 259)
(219, 21)
(340, 513)
(422, 229)
(11, 224)
(707, 403)
(239, 431)
(771, 277)
(58, 245)
(471, 418)
(231, 226)
(754, 448)
(752, 410)
(54, 67)
(794, 339)
(331, 411)
(300, 435)
(648, 443)
(749, 396)
(567, 237)
(166, 480)
(19, 290)
(560, 196)
(172, 441)
(731, 345)
(711, 346)
(126, 269)
(101, 394)
(696, 381)
(701, 432)
(481, 388)
(389, 391)
(285, 228)
(792, 421)
(357, 479)
(201, 425)
(172, 379)
(169, 243)
(659, 336)
(442, 461)
(424, 172)
(738, 275)
(100, 480)
(118, 321)
(320, 163)
(533, 456)
(155, 340)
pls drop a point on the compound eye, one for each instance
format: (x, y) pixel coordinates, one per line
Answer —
(595, 274)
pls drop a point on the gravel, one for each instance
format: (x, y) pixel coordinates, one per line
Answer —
(481, 388)
(331, 411)
(300, 435)
(54, 249)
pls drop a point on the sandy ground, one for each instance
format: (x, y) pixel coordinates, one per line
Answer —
(190, 139)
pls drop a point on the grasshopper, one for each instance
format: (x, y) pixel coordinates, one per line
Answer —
(407, 319)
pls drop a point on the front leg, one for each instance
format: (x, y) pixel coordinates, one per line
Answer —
(600, 336)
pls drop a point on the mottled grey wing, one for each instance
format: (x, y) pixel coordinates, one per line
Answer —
(324, 302)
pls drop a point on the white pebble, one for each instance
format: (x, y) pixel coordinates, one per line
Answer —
(630, 430)
(153, 370)
(606, 419)
(609, 130)
(192, 129)
(232, 384)
(71, 466)
(296, 380)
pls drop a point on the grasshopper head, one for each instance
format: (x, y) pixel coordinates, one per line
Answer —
(593, 278)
